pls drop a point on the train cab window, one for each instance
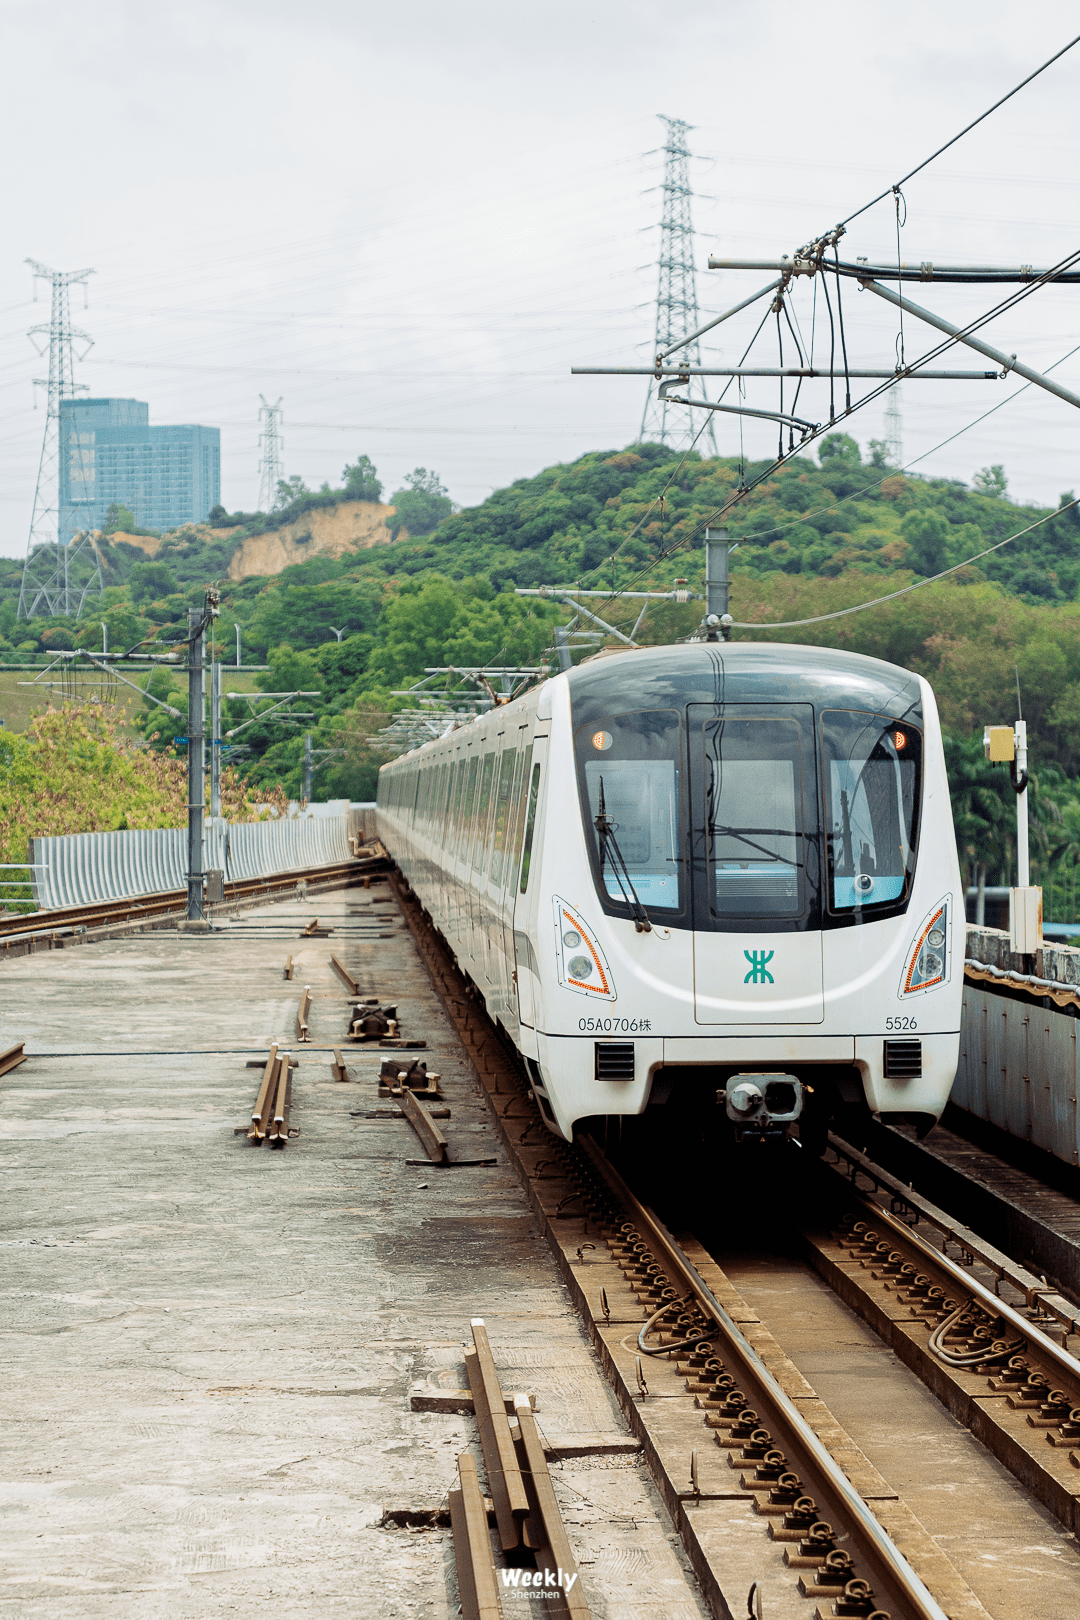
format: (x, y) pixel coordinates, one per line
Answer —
(872, 768)
(760, 821)
(630, 764)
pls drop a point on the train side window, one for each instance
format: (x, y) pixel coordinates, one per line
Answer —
(873, 768)
(516, 826)
(530, 827)
(503, 795)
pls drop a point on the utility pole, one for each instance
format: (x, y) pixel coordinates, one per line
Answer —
(717, 551)
(676, 293)
(308, 767)
(59, 573)
(271, 467)
(197, 623)
(215, 738)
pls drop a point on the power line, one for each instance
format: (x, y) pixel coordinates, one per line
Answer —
(965, 131)
(841, 613)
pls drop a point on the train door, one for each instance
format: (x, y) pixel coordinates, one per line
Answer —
(754, 855)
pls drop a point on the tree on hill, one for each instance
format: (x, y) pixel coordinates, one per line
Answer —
(360, 482)
(118, 519)
(290, 490)
(422, 505)
(148, 581)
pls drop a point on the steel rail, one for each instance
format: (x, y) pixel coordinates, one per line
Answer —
(1063, 1363)
(877, 1545)
(145, 907)
(1007, 1270)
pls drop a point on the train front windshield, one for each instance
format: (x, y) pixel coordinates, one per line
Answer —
(767, 815)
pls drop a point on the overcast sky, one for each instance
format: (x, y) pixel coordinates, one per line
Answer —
(411, 220)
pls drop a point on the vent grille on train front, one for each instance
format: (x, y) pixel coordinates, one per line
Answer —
(614, 1060)
(903, 1060)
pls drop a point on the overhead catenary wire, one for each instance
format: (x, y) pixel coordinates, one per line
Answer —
(862, 607)
(961, 133)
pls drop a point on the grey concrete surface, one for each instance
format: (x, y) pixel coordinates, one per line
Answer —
(209, 1348)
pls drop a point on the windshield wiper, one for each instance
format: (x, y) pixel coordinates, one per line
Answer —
(610, 851)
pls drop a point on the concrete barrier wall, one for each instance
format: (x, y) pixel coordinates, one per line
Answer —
(83, 867)
(1018, 1058)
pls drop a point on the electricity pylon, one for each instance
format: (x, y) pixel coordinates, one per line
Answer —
(60, 571)
(271, 468)
(676, 294)
(894, 432)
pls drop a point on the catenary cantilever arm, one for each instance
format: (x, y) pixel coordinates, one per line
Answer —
(1008, 361)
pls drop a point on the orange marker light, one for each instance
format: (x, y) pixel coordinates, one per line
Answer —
(601, 740)
(900, 740)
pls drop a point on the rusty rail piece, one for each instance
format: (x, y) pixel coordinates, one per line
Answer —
(397, 1074)
(995, 1369)
(302, 1014)
(69, 920)
(313, 931)
(477, 1582)
(337, 1067)
(12, 1057)
(351, 984)
(270, 1116)
(432, 1139)
(287, 971)
(505, 1482)
(555, 1554)
(526, 1510)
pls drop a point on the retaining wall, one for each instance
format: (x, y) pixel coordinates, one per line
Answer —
(1018, 1058)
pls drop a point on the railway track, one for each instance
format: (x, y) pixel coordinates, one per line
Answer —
(723, 1413)
(53, 927)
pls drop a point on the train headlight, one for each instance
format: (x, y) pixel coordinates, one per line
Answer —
(927, 962)
(581, 960)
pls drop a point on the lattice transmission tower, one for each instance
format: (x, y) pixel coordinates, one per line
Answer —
(676, 294)
(894, 429)
(62, 568)
(271, 466)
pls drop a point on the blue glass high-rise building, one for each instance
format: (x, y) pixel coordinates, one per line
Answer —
(109, 452)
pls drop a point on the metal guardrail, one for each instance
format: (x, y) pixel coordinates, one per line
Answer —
(80, 868)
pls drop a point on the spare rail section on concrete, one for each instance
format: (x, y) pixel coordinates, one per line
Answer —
(12, 1057)
(526, 1509)
(270, 1116)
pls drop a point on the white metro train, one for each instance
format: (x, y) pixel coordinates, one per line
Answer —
(723, 870)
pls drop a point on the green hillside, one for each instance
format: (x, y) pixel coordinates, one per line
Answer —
(816, 536)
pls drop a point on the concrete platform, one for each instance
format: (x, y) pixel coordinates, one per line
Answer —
(209, 1348)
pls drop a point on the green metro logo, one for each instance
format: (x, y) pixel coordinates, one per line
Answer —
(759, 973)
